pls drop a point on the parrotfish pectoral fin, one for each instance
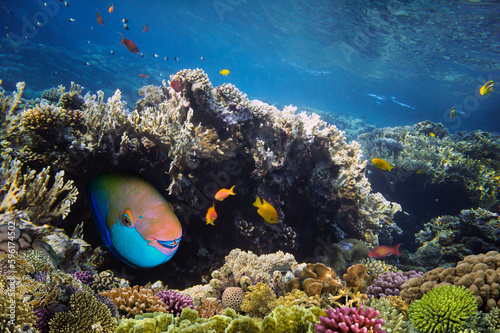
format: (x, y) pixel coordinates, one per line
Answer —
(100, 220)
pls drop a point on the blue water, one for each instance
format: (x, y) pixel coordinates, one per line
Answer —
(330, 55)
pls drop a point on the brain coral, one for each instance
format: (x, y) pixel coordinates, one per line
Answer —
(233, 297)
(443, 309)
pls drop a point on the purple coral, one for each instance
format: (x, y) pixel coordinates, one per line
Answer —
(85, 277)
(389, 284)
(350, 320)
(43, 318)
(175, 301)
(40, 277)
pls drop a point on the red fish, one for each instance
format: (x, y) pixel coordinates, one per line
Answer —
(146, 28)
(99, 17)
(383, 251)
(143, 75)
(129, 44)
(176, 86)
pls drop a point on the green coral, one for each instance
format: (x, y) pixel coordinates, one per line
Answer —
(40, 261)
(258, 301)
(21, 316)
(86, 314)
(443, 309)
(394, 320)
(293, 319)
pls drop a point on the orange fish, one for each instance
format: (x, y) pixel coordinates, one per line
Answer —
(146, 28)
(211, 215)
(143, 75)
(99, 17)
(224, 193)
(110, 10)
(383, 251)
(129, 44)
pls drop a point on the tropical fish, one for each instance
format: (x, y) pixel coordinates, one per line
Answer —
(125, 20)
(125, 26)
(381, 164)
(134, 220)
(266, 210)
(99, 17)
(211, 215)
(453, 113)
(176, 58)
(71, 20)
(166, 58)
(143, 75)
(66, 4)
(110, 10)
(176, 86)
(420, 171)
(224, 193)
(146, 28)
(224, 72)
(202, 58)
(155, 55)
(487, 88)
(432, 135)
(129, 44)
(383, 251)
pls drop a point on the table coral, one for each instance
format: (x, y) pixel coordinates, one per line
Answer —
(347, 320)
(86, 315)
(443, 309)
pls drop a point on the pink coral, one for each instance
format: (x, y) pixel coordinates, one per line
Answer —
(175, 301)
(350, 320)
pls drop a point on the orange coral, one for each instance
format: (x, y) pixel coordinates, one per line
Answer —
(316, 279)
(357, 277)
(135, 300)
(209, 308)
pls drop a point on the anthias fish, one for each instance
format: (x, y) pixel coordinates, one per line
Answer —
(383, 251)
(130, 45)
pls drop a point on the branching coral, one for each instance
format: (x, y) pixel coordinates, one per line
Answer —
(131, 301)
(175, 301)
(351, 320)
(86, 315)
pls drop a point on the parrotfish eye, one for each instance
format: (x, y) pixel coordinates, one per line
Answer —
(127, 219)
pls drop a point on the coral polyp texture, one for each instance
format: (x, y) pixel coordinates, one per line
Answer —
(443, 309)
(351, 320)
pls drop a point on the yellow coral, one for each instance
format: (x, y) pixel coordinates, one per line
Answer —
(258, 301)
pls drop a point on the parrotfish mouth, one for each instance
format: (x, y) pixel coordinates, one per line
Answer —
(165, 247)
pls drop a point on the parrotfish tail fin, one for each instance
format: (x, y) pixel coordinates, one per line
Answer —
(257, 202)
(231, 190)
(396, 249)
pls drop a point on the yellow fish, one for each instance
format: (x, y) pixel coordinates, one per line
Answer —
(381, 164)
(432, 135)
(452, 113)
(224, 193)
(487, 88)
(224, 72)
(266, 210)
(420, 171)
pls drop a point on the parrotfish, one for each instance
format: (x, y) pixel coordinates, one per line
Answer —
(383, 251)
(266, 210)
(134, 220)
(224, 193)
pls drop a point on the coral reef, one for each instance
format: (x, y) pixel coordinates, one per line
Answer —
(469, 159)
(132, 301)
(233, 297)
(357, 277)
(448, 239)
(314, 279)
(478, 273)
(15, 313)
(258, 301)
(175, 301)
(389, 284)
(443, 309)
(86, 315)
(351, 320)
(394, 319)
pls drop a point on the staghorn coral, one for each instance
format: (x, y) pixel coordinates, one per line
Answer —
(86, 315)
(443, 309)
(131, 301)
(349, 320)
(447, 239)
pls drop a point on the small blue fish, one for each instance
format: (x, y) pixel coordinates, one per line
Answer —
(134, 220)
